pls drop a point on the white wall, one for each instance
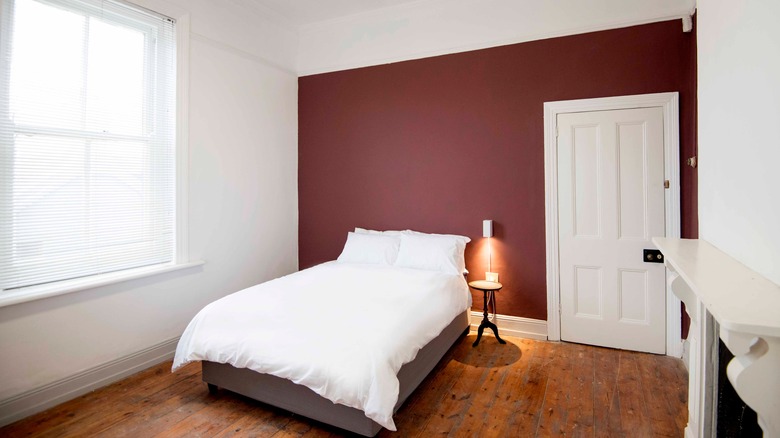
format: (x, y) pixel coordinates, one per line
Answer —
(238, 26)
(435, 27)
(242, 204)
(739, 145)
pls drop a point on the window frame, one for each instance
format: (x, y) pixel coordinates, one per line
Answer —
(181, 258)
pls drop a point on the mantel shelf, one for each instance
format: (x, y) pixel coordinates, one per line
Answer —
(740, 299)
(746, 307)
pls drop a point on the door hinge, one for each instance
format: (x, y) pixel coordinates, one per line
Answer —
(666, 183)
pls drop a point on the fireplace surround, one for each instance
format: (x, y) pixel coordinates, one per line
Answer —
(726, 301)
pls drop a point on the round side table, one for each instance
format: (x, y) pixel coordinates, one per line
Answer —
(488, 288)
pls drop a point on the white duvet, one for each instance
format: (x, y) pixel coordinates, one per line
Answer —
(343, 330)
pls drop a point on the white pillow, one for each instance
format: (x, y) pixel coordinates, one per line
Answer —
(387, 233)
(464, 239)
(359, 230)
(370, 249)
(432, 253)
(461, 240)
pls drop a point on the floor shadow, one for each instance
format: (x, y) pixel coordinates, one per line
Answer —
(488, 354)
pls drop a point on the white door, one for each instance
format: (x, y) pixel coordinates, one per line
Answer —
(610, 204)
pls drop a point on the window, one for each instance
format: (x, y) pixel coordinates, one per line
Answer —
(87, 140)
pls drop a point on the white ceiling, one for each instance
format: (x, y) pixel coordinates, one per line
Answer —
(303, 12)
(332, 35)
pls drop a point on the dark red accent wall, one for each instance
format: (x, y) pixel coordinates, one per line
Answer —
(439, 144)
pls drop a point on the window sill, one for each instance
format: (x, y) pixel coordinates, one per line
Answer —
(33, 293)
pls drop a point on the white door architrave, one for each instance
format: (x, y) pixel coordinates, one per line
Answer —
(669, 102)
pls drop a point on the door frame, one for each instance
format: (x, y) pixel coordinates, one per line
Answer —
(669, 103)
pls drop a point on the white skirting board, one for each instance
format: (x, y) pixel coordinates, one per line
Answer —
(516, 326)
(52, 394)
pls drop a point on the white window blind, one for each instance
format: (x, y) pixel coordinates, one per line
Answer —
(87, 140)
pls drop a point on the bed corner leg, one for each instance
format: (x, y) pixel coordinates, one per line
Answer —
(213, 389)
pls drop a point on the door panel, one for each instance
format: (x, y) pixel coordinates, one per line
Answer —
(610, 203)
(586, 172)
(588, 292)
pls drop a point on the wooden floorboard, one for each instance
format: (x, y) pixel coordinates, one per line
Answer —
(527, 417)
(522, 389)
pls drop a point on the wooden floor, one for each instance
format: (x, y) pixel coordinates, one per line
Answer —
(522, 389)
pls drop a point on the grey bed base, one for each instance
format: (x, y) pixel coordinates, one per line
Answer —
(301, 400)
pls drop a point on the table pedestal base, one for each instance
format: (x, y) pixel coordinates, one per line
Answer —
(487, 324)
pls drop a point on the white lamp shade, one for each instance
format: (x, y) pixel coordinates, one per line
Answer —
(487, 228)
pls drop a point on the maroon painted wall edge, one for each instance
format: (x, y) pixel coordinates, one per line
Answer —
(439, 144)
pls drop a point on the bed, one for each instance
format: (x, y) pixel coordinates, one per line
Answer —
(344, 342)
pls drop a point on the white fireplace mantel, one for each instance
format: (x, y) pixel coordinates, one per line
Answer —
(725, 298)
